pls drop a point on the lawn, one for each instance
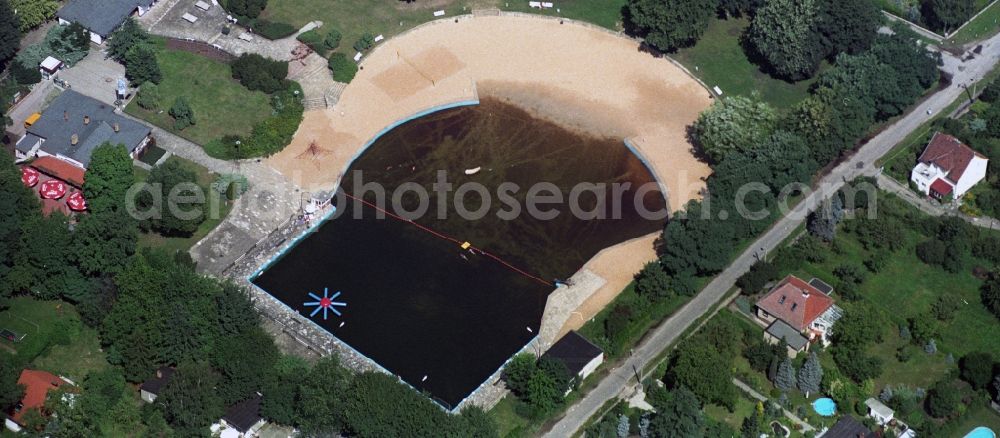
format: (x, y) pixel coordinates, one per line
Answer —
(744, 407)
(221, 105)
(152, 154)
(719, 60)
(354, 17)
(55, 340)
(216, 212)
(978, 415)
(981, 27)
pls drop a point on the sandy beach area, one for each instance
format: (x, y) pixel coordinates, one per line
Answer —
(582, 78)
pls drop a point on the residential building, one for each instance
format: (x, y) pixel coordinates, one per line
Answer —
(150, 389)
(948, 168)
(242, 420)
(879, 412)
(848, 427)
(74, 125)
(579, 355)
(37, 385)
(102, 17)
(794, 306)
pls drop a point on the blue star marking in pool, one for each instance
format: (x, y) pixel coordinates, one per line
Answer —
(325, 303)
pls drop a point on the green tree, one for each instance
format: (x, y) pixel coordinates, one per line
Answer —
(785, 379)
(943, 399)
(11, 392)
(322, 407)
(258, 73)
(473, 422)
(246, 362)
(130, 35)
(737, 8)
(811, 375)
(365, 42)
(784, 34)
(190, 401)
(668, 25)
(183, 209)
(948, 15)
(757, 277)
(751, 426)
(182, 113)
(733, 124)
(652, 282)
(108, 178)
(342, 67)
(33, 13)
(41, 267)
(989, 293)
(141, 65)
(332, 39)
(103, 241)
(377, 405)
(10, 33)
(701, 368)
(677, 415)
(848, 26)
(246, 8)
(74, 37)
(977, 369)
(149, 96)
(518, 372)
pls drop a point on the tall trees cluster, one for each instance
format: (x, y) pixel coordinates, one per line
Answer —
(842, 106)
(130, 45)
(669, 24)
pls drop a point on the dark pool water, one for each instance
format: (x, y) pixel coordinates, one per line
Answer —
(442, 318)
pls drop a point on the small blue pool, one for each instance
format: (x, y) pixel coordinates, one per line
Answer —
(827, 407)
(981, 432)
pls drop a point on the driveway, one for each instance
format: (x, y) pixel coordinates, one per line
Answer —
(37, 100)
(95, 76)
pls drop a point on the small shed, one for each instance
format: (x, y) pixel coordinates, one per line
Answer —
(49, 67)
(881, 413)
(151, 388)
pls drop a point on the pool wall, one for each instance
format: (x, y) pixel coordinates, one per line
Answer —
(659, 181)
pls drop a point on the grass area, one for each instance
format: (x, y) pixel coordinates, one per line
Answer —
(353, 18)
(509, 422)
(718, 59)
(645, 315)
(216, 211)
(744, 407)
(55, 340)
(978, 415)
(221, 105)
(979, 28)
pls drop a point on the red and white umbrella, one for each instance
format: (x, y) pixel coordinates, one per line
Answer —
(53, 189)
(76, 202)
(29, 176)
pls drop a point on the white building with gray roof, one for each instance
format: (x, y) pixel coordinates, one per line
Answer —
(102, 17)
(74, 125)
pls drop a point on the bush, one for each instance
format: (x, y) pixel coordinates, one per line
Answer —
(274, 30)
(258, 73)
(182, 113)
(149, 97)
(366, 42)
(314, 40)
(141, 66)
(246, 8)
(332, 40)
(343, 68)
(268, 136)
(942, 399)
(173, 176)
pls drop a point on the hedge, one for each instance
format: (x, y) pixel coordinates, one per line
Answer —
(269, 136)
(314, 40)
(273, 30)
(343, 67)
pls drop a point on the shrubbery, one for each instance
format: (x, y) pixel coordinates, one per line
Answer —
(149, 97)
(62, 43)
(182, 113)
(24, 74)
(246, 8)
(172, 177)
(258, 73)
(273, 30)
(313, 39)
(343, 68)
(366, 42)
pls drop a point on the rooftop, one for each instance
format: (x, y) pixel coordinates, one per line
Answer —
(154, 384)
(848, 427)
(878, 408)
(92, 121)
(781, 330)
(60, 169)
(574, 351)
(795, 302)
(243, 415)
(36, 387)
(100, 16)
(949, 154)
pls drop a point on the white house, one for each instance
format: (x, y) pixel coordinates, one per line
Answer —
(102, 17)
(879, 412)
(948, 168)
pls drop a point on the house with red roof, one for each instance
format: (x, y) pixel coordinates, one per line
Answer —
(798, 312)
(948, 168)
(37, 385)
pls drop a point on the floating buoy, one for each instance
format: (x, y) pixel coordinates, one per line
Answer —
(529, 329)
(424, 379)
(473, 171)
(466, 245)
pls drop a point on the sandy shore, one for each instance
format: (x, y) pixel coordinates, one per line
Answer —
(580, 77)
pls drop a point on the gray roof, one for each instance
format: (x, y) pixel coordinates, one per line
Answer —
(65, 117)
(879, 408)
(100, 16)
(574, 351)
(781, 330)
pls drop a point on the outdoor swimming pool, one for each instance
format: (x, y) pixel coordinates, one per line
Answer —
(442, 318)
(981, 432)
(825, 407)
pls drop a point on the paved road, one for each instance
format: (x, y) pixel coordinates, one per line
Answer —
(905, 193)
(860, 164)
(753, 393)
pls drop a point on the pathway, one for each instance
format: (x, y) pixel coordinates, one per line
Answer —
(905, 193)
(648, 351)
(747, 389)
